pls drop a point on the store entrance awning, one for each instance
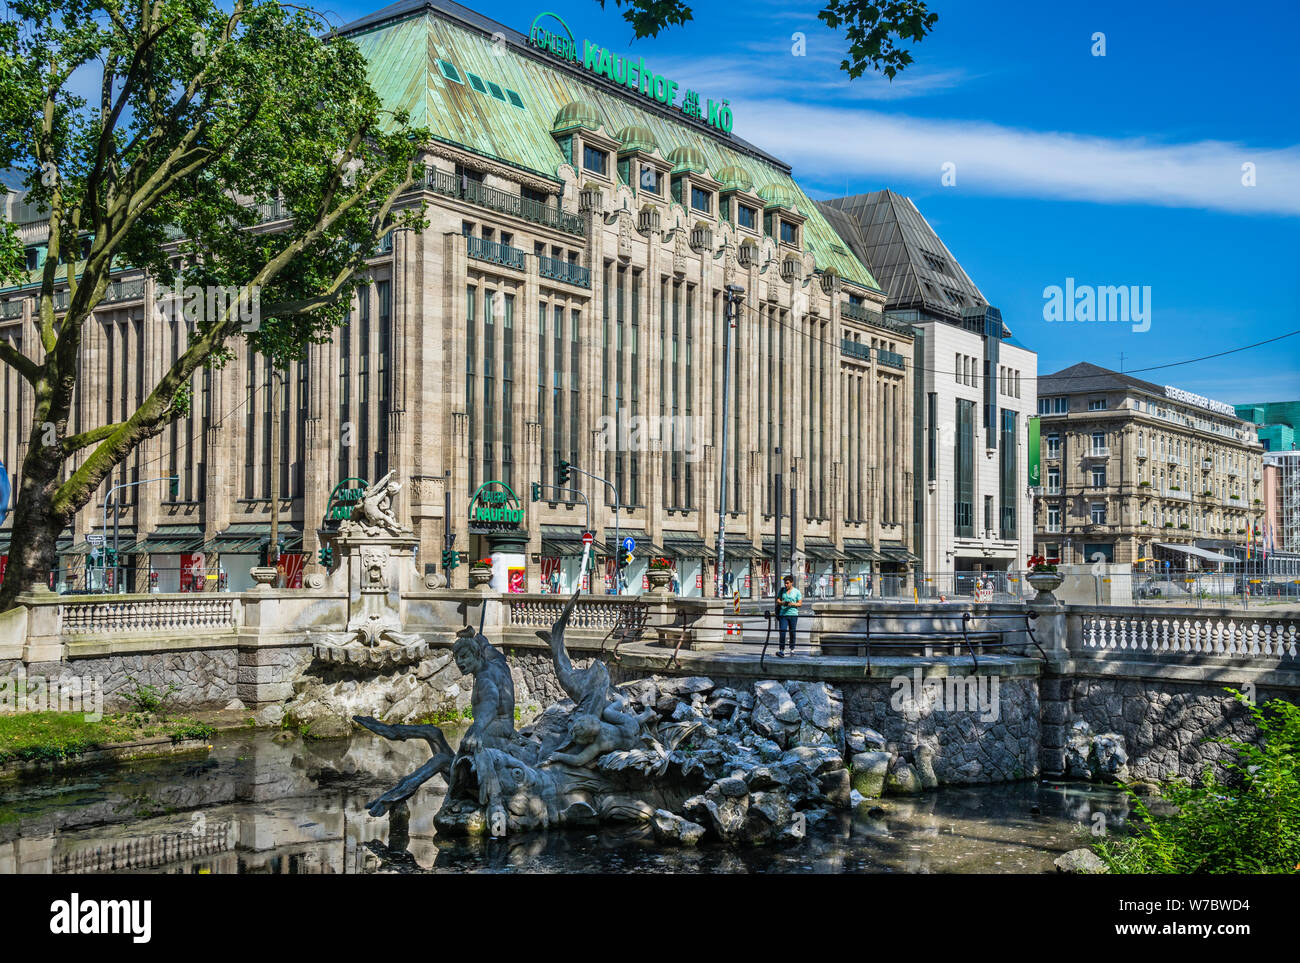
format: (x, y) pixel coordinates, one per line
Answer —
(822, 548)
(1194, 552)
(897, 553)
(644, 547)
(169, 539)
(860, 550)
(741, 550)
(243, 538)
(687, 546)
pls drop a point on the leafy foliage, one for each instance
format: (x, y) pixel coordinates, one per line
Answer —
(873, 29)
(202, 117)
(1248, 822)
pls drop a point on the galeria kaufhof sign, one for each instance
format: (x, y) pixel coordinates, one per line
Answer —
(633, 73)
(494, 507)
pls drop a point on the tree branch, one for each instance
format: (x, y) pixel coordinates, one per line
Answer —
(24, 365)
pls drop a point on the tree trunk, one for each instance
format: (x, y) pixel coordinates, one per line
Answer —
(37, 525)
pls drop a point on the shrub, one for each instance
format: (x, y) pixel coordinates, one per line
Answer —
(1248, 822)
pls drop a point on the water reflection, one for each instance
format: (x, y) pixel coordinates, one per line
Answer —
(271, 803)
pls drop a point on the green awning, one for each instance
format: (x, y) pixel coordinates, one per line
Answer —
(687, 546)
(860, 550)
(243, 538)
(820, 547)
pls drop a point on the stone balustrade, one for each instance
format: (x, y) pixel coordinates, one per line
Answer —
(592, 611)
(1182, 633)
(153, 615)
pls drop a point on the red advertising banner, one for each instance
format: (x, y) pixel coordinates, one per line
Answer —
(290, 569)
(193, 570)
(515, 580)
(4, 561)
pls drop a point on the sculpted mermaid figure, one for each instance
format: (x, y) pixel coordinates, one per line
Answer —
(600, 723)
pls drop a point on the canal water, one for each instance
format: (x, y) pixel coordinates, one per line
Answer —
(264, 802)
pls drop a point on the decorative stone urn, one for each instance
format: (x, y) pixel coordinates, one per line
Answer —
(480, 578)
(1046, 583)
(660, 580)
(265, 576)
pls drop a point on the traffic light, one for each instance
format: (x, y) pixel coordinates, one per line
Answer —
(326, 556)
(110, 558)
(537, 492)
(175, 486)
(565, 468)
(450, 559)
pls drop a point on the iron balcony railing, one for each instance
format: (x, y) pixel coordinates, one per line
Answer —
(891, 358)
(449, 185)
(855, 349)
(560, 270)
(496, 252)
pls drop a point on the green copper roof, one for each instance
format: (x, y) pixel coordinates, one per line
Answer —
(576, 114)
(403, 56)
(733, 178)
(688, 158)
(636, 137)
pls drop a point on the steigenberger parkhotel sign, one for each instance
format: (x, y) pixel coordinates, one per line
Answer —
(553, 35)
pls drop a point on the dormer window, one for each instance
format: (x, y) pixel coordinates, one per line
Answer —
(701, 200)
(746, 216)
(789, 232)
(649, 180)
(594, 159)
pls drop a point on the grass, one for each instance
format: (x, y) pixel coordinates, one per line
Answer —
(48, 736)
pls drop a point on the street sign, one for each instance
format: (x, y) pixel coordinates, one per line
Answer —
(588, 539)
(629, 544)
(94, 539)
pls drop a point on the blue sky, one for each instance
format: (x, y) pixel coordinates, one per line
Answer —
(1123, 169)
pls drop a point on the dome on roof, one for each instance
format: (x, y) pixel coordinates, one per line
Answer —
(575, 114)
(735, 179)
(777, 195)
(636, 137)
(687, 159)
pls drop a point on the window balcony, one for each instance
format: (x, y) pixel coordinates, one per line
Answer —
(505, 202)
(496, 252)
(1052, 490)
(855, 349)
(1142, 454)
(1095, 452)
(891, 358)
(1178, 495)
(560, 270)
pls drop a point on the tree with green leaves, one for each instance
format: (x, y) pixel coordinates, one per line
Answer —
(193, 118)
(874, 30)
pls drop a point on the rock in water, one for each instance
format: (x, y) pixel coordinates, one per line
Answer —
(1107, 757)
(671, 828)
(835, 788)
(869, 772)
(1077, 748)
(903, 779)
(925, 767)
(1080, 861)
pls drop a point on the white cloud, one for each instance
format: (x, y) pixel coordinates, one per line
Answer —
(829, 141)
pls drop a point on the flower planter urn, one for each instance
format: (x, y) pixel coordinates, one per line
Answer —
(660, 579)
(1046, 583)
(480, 578)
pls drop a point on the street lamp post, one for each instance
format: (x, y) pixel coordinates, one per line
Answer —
(734, 294)
(618, 578)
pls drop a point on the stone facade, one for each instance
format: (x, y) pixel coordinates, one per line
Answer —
(1127, 465)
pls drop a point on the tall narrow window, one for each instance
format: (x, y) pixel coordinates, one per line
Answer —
(363, 380)
(507, 388)
(384, 295)
(963, 493)
(491, 311)
(471, 376)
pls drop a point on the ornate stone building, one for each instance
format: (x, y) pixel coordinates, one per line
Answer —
(566, 302)
(1133, 470)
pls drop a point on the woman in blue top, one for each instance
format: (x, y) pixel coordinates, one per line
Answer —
(787, 611)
